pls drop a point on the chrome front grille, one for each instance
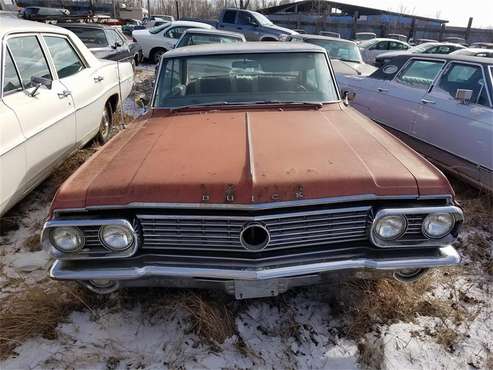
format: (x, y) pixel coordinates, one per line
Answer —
(287, 230)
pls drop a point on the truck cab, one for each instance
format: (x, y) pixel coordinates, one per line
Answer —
(255, 26)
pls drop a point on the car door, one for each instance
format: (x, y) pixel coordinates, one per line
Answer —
(120, 47)
(46, 115)
(12, 140)
(85, 85)
(459, 133)
(228, 21)
(247, 25)
(399, 99)
(397, 46)
(376, 49)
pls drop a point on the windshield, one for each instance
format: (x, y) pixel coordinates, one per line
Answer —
(158, 29)
(345, 51)
(92, 38)
(263, 20)
(200, 39)
(244, 79)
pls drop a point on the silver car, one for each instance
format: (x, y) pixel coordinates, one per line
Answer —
(439, 104)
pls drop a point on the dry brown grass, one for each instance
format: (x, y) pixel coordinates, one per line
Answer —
(373, 302)
(447, 337)
(36, 310)
(212, 320)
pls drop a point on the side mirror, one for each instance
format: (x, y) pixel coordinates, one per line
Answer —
(37, 82)
(463, 96)
(348, 96)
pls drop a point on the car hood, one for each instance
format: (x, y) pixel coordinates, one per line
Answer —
(278, 29)
(352, 68)
(245, 157)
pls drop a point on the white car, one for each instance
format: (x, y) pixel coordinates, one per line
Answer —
(158, 40)
(55, 97)
(372, 48)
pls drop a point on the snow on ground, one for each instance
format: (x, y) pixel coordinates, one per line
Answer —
(298, 330)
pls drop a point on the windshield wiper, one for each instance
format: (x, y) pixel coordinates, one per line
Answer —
(317, 105)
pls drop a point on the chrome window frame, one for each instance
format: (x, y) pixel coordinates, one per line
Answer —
(413, 59)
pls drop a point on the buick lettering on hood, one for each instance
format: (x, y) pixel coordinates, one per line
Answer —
(250, 174)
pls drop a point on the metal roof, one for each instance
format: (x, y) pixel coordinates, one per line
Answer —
(307, 5)
(309, 36)
(12, 25)
(243, 48)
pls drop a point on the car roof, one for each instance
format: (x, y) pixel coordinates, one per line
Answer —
(204, 31)
(309, 36)
(243, 47)
(437, 43)
(385, 39)
(190, 24)
(84, 25)
(14, 25)
(448, 57)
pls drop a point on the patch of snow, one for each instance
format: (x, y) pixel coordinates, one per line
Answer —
(28, 261)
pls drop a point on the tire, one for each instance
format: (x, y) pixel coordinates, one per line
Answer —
(105, 126)
(156, 55)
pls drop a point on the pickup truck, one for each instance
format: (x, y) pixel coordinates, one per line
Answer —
(255, 26)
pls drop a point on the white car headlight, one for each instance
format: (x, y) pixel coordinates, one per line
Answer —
(116, 237)
(437, 225)
(67, 239)
(390, 227)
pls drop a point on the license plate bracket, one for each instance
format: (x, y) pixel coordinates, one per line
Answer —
(245, 289)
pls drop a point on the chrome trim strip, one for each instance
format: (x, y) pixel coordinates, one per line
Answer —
(45, 239)
(259, 206)
(61, 271)
(449, 238)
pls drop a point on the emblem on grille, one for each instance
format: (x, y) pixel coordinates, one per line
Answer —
(254, 237)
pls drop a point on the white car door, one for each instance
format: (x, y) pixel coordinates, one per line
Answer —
(45, 113)
(460, 134)
(374, 50)
(399, 100)
(84, 84)
(12, 141)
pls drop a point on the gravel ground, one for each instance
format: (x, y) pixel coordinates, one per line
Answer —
(443, 322)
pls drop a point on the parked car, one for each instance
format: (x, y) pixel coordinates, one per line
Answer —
(397, 36)
(164, 17)
(132, 25)
(198, 36)
(415, 42)
(250, 174)
(482, 45)
(455, 40)
(426, 48)
(56, 96)
(474, 52)
(439, 104)
(106, 42)
(158, 40)
(364, 36)
(255, 26)
(36, 13)
(371, 49)
(344, 54)
(330, 34)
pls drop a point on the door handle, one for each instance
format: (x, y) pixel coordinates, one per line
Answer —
(64, 94)
(426, 101)
(98, 79)
(382, 90)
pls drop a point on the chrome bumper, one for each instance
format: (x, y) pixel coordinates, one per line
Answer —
(83, 271)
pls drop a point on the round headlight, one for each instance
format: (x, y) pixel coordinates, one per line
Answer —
(116, 237)
(390, 227)
(67, 239)
(437, 225)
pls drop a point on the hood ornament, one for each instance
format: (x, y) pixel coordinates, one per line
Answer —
(229, 194)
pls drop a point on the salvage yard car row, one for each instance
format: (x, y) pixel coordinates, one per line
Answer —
(251, 172)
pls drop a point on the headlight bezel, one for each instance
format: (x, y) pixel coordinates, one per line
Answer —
(409, 213)
(89, 251)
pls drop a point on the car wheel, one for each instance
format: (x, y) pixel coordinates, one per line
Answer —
(156, 55)
(104, 127)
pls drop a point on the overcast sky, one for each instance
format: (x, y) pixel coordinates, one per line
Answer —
(456, 11)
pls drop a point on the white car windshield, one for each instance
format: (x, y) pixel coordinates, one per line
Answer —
(245, 79)
(342, 50)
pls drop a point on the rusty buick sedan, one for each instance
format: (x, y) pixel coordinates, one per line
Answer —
(250, 174)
